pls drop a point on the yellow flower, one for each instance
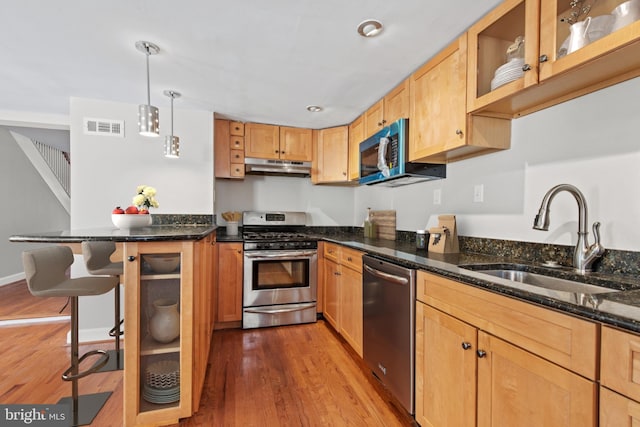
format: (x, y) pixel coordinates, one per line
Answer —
(145, 197)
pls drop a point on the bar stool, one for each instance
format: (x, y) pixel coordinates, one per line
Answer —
(97, 259)
(45, 270)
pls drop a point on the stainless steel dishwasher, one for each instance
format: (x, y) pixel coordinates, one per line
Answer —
(389, 326)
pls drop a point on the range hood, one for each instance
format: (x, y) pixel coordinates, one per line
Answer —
(414, 173)
(253, 166)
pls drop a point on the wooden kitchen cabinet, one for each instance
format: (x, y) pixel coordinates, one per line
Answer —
(332, 152)
(229, 284)
(609, 60)
(619, 378)
(440, 129)
(527, 359)
(278, 142)
(144, 290)
(356, 136)
(343, 292)
(394, 106)
(228, 149)
(296, 144)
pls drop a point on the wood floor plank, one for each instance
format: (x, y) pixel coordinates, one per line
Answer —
(17, 303)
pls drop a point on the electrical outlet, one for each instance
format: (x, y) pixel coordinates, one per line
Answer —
(478, 193)
(437, 196)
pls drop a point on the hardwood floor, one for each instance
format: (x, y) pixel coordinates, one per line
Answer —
(302, 375)
(17, 303)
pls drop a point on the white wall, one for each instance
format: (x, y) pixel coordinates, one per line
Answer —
(105, 171)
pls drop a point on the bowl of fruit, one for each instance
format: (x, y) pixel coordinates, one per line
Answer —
(131, 217)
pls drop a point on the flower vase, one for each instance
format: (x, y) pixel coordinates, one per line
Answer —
(164, 325)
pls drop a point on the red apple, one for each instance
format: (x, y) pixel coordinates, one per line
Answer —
(143, 211)
(131, 210)
(118, 210)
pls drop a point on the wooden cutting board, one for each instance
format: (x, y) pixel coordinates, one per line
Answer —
(385, 223)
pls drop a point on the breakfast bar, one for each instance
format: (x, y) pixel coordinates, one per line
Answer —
(168, 312)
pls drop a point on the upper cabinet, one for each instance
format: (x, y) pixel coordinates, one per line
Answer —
(296, 144)
(228, 149)
(262, 141)
(332, 147)
(356, 136)
(523, 43)
(277, 142)
(440, 128)
(394, 106)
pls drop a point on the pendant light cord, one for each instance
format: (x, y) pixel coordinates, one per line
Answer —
(148, 84)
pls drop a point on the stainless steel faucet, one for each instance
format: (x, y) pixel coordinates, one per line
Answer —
(584, 254)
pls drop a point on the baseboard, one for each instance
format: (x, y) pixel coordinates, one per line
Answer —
(7, 280)
(91, 335)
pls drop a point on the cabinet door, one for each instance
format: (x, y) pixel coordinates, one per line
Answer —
(221, 149)
(160, 334)
(351, 307)
(296, 144)
(517, 388)
(445, 369)
(261, 141)
(356, 136)
(489, 39)
(229, 270)
(396, 103)
(331, 293)
(438, 105)
(620, 362)
(617, 410)
(332, 155)
(373, 118)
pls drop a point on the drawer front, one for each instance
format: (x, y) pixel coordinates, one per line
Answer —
(236, 128)
(237, 170)
(236, 156)
(565, 340)
(332, 252)
(617, 410)
(620, 362)
(236, 142)
(351, 258)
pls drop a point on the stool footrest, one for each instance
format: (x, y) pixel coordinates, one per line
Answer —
(116, 330)
(68, 374)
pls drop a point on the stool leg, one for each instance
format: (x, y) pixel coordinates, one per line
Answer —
(83, 408)
(116, 356)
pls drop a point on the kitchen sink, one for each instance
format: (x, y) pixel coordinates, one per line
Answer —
(522, 277)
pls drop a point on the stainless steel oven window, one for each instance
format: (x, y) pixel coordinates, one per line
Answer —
(280, 274)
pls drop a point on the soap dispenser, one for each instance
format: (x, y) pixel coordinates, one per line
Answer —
(369, 225)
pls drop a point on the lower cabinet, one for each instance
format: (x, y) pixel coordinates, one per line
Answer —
(168, 329)
(229, 284)
(342, 273)
(488, 360)
(619, 378)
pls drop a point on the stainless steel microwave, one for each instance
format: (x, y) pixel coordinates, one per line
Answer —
(383, 159)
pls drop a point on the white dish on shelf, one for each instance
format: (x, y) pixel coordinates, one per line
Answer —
(163, 375)
(161, 396)
(162, 263)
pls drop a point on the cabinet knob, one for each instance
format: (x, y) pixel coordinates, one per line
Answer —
(277, 151)
(544, 58)
(526, 67)
(481, 353)
(466, 345)
(131, 258)
(349, 259)
(384, 121)
(379, 123)
(458, 131)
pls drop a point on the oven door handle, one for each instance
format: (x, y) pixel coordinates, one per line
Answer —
(298, 307)
(280, 255)
(390, 277)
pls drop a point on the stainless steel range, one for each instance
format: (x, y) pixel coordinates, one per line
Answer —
(280, 266)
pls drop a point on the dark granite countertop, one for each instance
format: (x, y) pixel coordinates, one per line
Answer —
(153, 233)
(620, 307)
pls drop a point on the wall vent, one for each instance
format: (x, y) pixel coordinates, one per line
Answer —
(103, 127)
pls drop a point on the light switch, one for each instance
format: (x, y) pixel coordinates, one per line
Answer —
(478, 193)
(437, 196)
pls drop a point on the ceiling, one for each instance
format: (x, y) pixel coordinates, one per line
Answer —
(249, 60)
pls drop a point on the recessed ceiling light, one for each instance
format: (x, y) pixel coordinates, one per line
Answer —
(314, 108)
(370, 28)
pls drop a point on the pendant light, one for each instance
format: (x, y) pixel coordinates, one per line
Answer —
(171, 142)
(148, 115)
